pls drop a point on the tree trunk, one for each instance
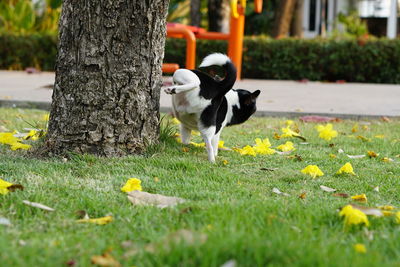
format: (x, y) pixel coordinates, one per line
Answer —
(218, 15)
(108, 77)
(195, 13)
(297, 21)
(283, 18)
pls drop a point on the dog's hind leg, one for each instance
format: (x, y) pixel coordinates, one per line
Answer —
(215, 142)
(185, 134)
(207, 134)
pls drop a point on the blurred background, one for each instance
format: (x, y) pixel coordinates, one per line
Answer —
(328, 40)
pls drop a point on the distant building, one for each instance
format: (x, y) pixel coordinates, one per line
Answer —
(320, 16)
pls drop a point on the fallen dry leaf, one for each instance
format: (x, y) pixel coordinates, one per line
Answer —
(14, 187)
(317, 119)
(303, 195)
(278, 192)
(230, 263)
(38, 205)
(327, 189)
(385, 119)
(355, 156)
(368, 211)
(372, 154)
(269, 169)
(5, 221)
(148, 199)
(105, 260)
(343, 195)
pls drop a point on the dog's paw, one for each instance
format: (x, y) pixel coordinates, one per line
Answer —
(170, 90)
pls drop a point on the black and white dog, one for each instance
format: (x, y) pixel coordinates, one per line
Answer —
(206, 104)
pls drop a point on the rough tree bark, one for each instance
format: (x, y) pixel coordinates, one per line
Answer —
(195, 13)
(283, 18)
(108, 77)
(218, 15)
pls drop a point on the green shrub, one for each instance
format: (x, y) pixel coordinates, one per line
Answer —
(373, 61)
(34, 50)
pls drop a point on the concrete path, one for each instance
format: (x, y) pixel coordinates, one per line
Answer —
(278, 98)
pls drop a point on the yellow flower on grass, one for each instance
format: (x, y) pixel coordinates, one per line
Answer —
(18, 145)
(326, 132)
(353, 216)
(175, 121)
(398, 217)
(387, 213)
(131, 185)
(8, 138)
(198, 144)
(360, 198)
(221, 145)
(346, 168)
(380, 136)
(99, 221)
(386, 207)
(288, 146)
(3, 187)
(263, 147)
(32, 135)
(360, 248)
(287, 132)
(247, 150)
(289, 122)
(312, 170)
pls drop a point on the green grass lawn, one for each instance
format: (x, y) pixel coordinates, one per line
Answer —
(232, 204)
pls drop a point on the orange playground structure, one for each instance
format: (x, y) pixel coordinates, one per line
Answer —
(234, 37)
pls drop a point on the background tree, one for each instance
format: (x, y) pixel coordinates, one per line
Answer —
(108, 77)
(195, 12)
(218, 15)
(283, 18)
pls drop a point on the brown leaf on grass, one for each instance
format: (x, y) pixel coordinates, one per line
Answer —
(295, 157)
(37, 205)
(343, 195)
(105, 260)
(327, 189)
(185, 149)
(368, 211)
(385, 119)
(269, 169)
(303, 195)
(317, 119)
(14, 187)
(148, 199)
(363, 138)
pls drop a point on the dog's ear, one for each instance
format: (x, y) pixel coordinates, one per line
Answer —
(255, 94)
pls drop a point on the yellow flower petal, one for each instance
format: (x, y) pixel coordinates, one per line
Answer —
(360, 248)
(287, 132)
(327, 132)
(372, 154)
(380, 136)
(8, 138)
(360, 198)
(353, 216)
(99, 221)
(46, 117)
(263, 147)
(131, 185)
(346, 168)
(288, 146)
(247, 150)
(398, 217)
(175, 121)
(18, 145)
(3, 187)
(312, 170)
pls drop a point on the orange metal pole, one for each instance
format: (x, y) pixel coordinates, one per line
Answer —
(235, 44)
(212, 36)
(258, 6)
(177, 32)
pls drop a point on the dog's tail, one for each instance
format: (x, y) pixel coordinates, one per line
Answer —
(224, 61)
